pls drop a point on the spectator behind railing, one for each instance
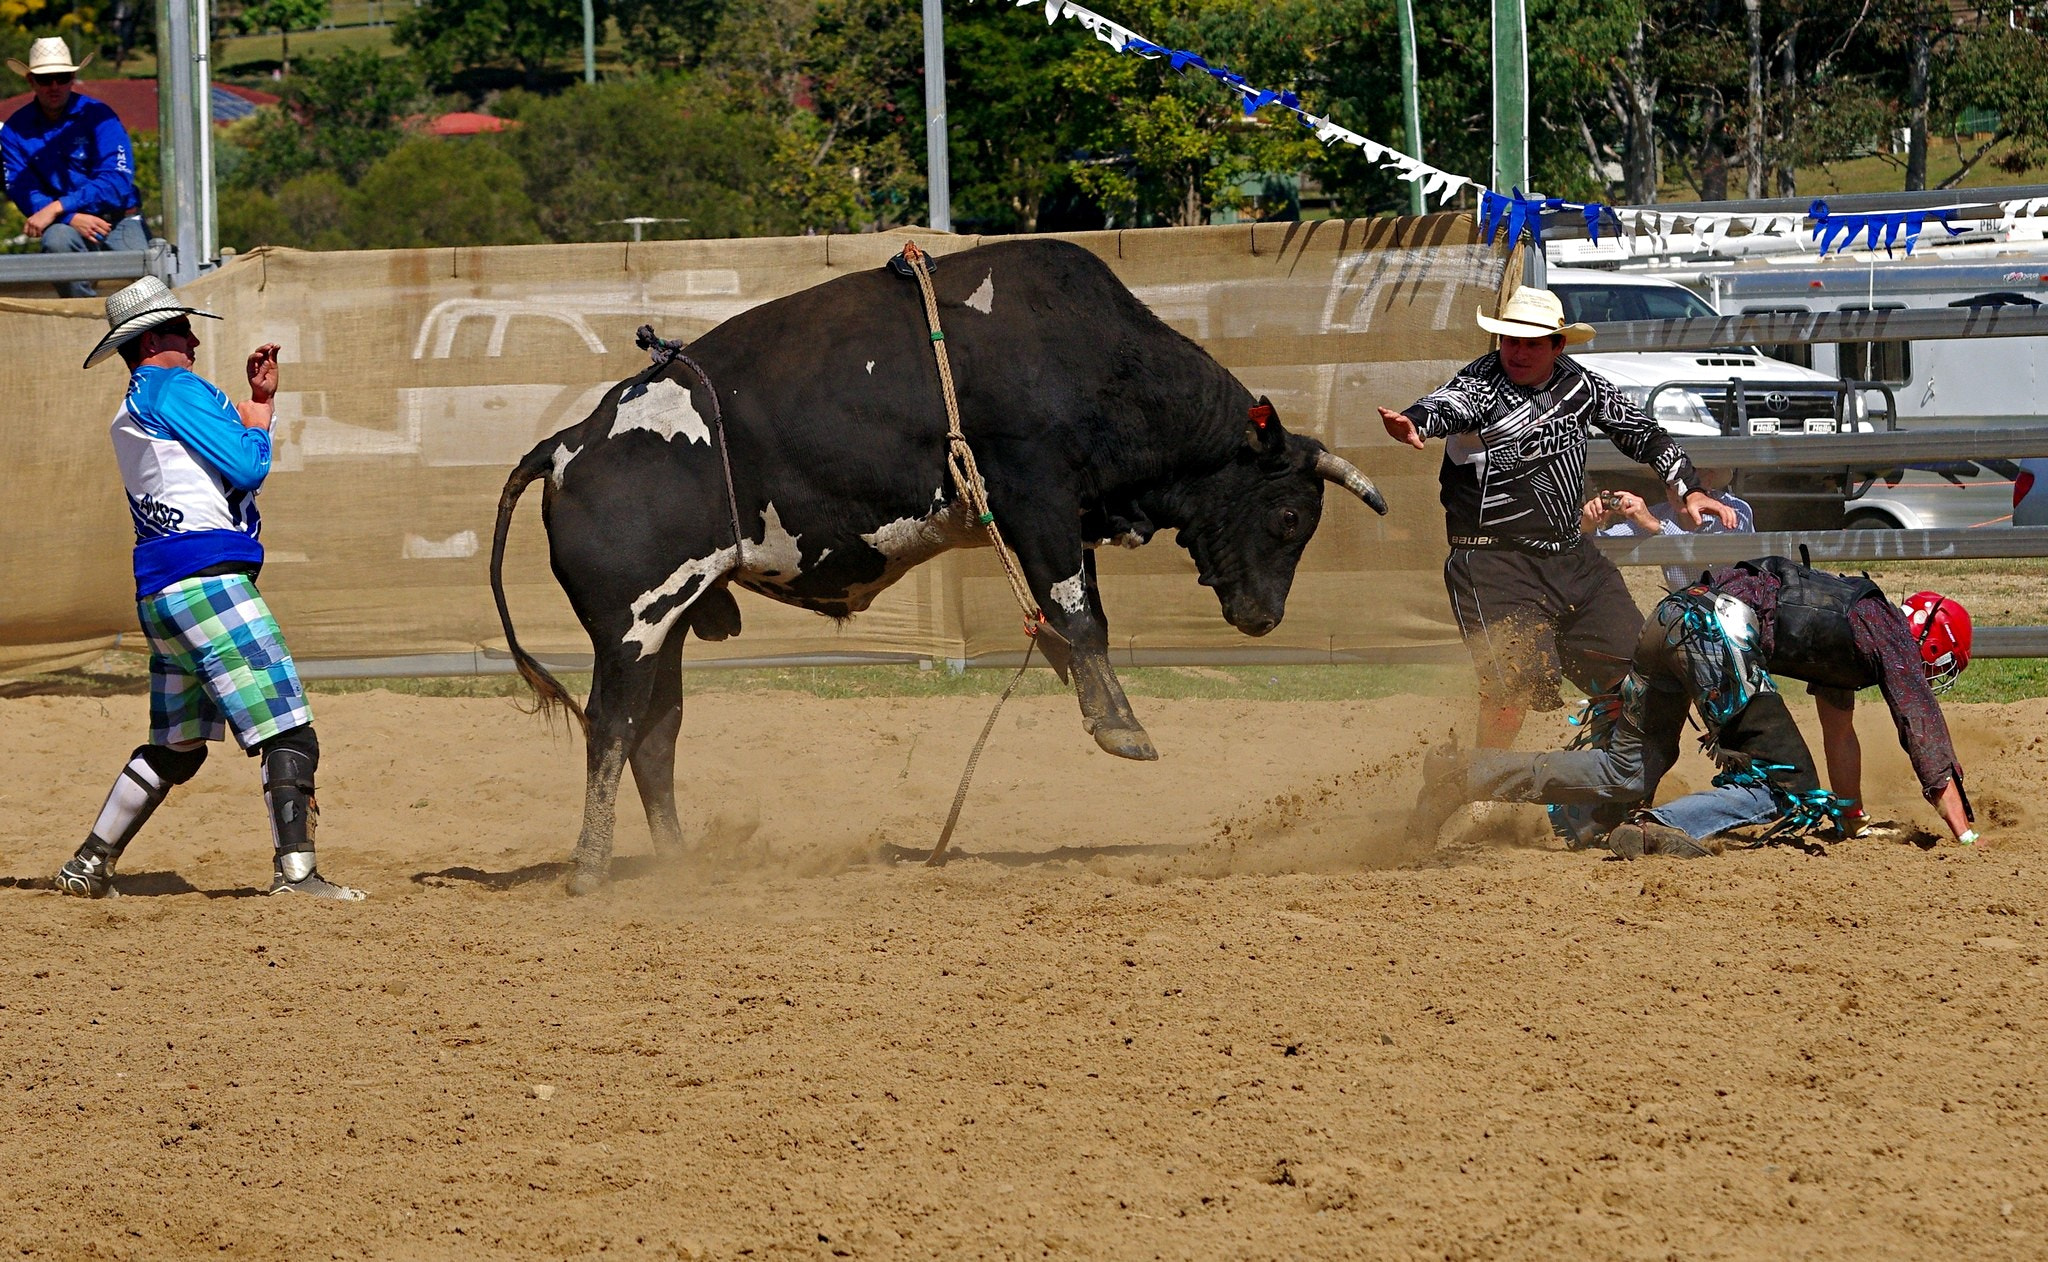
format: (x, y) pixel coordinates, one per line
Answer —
(69, 166)
(1622, 514)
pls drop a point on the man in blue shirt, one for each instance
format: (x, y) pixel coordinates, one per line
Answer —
(69, 166)
(192, 462)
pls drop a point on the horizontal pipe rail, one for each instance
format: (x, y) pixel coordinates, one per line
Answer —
(1831, 547)
(1892, 324)
(1844, 451)
(27, 269)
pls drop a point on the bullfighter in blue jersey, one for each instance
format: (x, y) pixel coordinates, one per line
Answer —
(192, 462)
(69, 166)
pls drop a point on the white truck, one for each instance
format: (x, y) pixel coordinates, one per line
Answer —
(1727, 391)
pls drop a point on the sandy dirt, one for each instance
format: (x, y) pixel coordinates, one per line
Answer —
(1198, 1009)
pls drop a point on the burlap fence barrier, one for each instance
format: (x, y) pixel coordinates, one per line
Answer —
(412, 380)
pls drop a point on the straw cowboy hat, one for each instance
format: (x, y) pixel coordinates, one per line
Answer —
(138, 309)
(49, 56)
(1535, 313)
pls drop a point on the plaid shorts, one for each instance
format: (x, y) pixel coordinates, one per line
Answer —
(218, 661)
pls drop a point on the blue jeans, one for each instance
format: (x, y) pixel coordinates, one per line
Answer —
(1703, 814)
(127, 233)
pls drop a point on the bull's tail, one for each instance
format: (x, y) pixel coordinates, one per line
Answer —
(547, 690)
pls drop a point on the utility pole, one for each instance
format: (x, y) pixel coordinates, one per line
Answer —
(184, 114)
(938, 176)
(589, 42)
(1411, 104)
(1510, 96)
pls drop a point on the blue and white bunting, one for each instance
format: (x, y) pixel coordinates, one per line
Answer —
(1515, 212)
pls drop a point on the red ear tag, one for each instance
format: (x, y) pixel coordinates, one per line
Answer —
(1261, 414)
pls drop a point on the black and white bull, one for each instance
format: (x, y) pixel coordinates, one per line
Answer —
(1091, 421)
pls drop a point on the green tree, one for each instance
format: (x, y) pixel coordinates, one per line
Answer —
(284, 17)
(668, 150)
(2003, 69)
(436, 191)
(667, 34)
(340, 114)
(455, 35)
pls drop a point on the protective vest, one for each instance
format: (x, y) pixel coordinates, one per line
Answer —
(1813, 640)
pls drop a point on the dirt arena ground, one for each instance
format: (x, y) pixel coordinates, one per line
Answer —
(1197, 1009)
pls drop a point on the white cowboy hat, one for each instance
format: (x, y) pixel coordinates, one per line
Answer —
(49, 56)
(136, 310)
(1535, 313)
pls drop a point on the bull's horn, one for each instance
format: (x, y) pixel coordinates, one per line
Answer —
(1332, 467)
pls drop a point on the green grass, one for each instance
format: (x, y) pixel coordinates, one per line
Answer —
(1882, 175)
(1991, 679)
(2002, 679)
(1207, 683)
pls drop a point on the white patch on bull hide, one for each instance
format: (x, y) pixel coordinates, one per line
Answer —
(1070, 594)
(777, 555)
(563, 455)
(984, 298)
(909, 541)
(663, 408)
(871, 368)
(650, 636)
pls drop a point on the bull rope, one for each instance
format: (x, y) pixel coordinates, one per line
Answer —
(663, 351)
(967, 478)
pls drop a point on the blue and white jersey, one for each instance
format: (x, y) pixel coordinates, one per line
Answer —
(192, 470)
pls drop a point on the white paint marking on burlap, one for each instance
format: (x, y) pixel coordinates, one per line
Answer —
(1070, 594)
(664, 408)
(650, 636)
(563, 455)
(871, 368)
(984, 298)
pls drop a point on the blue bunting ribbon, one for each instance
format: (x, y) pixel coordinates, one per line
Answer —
(1829, 227)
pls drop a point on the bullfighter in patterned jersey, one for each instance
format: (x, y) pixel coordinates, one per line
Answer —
(192, 463)
(1534, 599)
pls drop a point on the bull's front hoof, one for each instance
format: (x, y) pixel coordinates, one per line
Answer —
(1127, 742)
(586, 881)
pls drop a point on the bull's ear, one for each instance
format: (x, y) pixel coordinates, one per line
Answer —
(1262, 431)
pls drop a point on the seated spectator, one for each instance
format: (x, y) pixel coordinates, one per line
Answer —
(1625, 515)
(69, 166)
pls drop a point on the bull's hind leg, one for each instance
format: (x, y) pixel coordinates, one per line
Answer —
(654, 762)
(620, 690)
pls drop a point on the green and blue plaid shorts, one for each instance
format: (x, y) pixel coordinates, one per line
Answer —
(218, 662)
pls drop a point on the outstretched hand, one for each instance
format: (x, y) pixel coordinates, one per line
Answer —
(1699, 505)
(1401, 429)
(263, 372)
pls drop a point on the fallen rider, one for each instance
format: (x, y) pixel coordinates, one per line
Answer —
(1715, 647)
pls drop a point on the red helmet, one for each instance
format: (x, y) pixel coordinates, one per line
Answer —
(1941, 628)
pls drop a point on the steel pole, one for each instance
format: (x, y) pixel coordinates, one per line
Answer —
(589, 42)
(180, 143)
(937, 165)
(200, 71)
(1510, 96)
(1411, 104)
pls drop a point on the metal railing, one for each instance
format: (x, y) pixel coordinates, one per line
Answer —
(57, 267)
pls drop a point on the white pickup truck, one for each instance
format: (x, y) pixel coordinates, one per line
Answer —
(1695, 394)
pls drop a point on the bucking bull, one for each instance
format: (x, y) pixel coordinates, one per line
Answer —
(1090, 419)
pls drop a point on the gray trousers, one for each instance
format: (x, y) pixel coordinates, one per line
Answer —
(1627, 771)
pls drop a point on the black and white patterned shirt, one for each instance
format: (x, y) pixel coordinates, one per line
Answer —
(1514, 471)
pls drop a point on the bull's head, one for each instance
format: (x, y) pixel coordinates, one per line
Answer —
(1246, 525)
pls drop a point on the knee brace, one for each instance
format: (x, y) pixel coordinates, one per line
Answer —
(289, 761)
